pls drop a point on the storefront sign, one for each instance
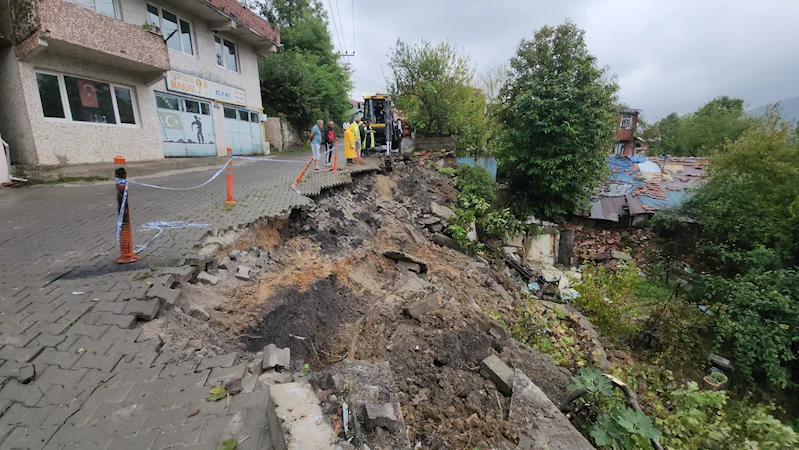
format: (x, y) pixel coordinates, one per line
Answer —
(189, 84)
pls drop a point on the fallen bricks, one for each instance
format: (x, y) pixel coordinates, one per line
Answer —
(498, 372)
(275, 358)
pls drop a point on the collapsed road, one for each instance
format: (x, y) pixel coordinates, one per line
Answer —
(351, 298)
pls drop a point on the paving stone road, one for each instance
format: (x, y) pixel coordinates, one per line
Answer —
(75, 371)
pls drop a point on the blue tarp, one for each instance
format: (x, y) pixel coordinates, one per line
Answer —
(487, 162)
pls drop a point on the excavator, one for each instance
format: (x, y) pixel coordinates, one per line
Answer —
(378, 109)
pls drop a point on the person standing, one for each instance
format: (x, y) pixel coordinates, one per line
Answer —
(315, 139)
(352, 141)
(330, 142)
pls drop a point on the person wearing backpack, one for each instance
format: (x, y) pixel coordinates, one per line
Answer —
(330, 142)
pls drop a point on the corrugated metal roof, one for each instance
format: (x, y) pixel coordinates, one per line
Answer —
(634, 205)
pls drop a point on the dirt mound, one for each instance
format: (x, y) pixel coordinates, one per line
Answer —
(330, 295)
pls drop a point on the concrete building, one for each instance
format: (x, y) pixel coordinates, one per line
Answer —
(84, 80)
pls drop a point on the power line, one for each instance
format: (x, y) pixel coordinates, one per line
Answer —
(353, 26)
(362, 77)
(335, 26)
(341, 24)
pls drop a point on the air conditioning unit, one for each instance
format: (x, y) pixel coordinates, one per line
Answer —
(262, 117)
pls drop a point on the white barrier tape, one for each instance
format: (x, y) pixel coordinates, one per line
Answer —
(219, 172)
(121, 182)
(160, 226)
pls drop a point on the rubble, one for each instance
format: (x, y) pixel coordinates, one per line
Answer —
(400, 256)
(442, 212)
(270, 377)
(206, 278)
(243, 273)
(276, 358)
(498, 372)
(381, 415)
(225, 263)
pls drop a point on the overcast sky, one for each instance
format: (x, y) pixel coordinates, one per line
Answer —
(669, 55)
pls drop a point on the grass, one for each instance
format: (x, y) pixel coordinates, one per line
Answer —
(650, 292)
(67, 179)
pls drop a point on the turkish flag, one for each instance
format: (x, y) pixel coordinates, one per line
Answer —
(88, 93)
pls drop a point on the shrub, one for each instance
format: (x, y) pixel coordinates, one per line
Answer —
(608, 299)
(477, 181)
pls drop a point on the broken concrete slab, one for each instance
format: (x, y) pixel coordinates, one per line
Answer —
(381, 415)
(234, 255)
(541, 423)
(212, 267)
(551, 274)
(498, 372)
(419, 309)
(620, 255)
(295, 419)
(225, 263)
(198, 312)
(446, 241)
(405, 265)
(182, 274)
(400, 256)
(271, 377)
(441, 211)
(243, 273)
(206, 278)
(276, 358)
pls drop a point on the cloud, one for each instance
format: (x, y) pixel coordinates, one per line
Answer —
(668, 55)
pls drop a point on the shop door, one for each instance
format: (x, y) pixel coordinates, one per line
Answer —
(242, 131)
(187, 128)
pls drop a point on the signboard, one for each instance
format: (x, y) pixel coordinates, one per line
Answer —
(200, 87)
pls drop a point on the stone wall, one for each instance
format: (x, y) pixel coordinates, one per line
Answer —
(436, 143)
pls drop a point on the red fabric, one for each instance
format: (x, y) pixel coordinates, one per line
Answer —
(88, 93)
(331, 136)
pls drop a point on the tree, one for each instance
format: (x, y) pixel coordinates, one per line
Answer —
(560, 119)
(490, 80)
(432, 86)
(305, 81)
(699, 134)
(748, 198)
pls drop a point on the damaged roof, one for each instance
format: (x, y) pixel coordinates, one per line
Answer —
(641, 185)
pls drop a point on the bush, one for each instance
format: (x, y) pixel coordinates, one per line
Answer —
(756, 320)
(607, 297)
(710, 420)
(475, 180)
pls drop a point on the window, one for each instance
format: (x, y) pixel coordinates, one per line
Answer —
(166, 102)
(176, 31)
(254, 117)
(226, 54)
(230, 113)
(50, 93)
(243, 115)
(626, 122)
(80, 100)
(205, 108)
(191, 106)
(107, 7)
(619, 149)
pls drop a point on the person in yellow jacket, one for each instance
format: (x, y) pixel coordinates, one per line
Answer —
(352, 142)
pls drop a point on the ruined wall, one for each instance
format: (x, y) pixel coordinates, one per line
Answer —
(281, 136)
(24, 19)
(447, 143)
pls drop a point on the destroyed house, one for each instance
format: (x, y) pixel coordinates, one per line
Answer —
(638, 186)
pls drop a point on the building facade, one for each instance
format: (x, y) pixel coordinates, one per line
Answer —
(85, 80)
(625, 135)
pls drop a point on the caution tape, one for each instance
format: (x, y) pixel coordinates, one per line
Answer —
(155, 186)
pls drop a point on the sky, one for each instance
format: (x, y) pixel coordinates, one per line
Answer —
(668, 55)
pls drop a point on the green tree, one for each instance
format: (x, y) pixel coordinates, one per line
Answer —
(559, 117)
(432, 85)
(699, 134)
(746, 201)
(305, 81)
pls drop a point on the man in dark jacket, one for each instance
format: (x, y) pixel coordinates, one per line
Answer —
(330, 142)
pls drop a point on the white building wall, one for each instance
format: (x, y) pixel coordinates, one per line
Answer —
(83, 142)
(203, 63)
